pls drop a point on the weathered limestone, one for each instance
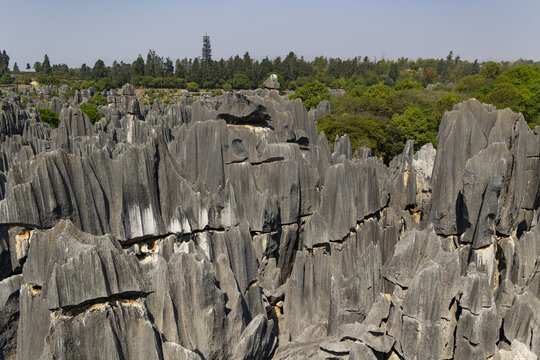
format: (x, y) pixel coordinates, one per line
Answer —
(224, 228)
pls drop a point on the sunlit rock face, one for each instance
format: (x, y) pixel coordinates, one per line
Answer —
(225, 228)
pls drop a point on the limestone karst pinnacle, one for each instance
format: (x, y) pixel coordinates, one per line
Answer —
(224, 228)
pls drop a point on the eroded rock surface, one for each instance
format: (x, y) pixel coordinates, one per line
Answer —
(224, 228)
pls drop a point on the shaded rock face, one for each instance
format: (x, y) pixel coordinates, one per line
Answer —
(225, 229)
(272, 82)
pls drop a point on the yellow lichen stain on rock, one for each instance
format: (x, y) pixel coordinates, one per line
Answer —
(22, 241)
(100, 306)
(35, 289)
(406, 177)
(278, 312)
(388, 297)
(131, 302)
(97, 307)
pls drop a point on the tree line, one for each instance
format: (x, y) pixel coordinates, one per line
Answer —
(244, 72)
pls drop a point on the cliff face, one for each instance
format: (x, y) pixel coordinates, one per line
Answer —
(225, 229)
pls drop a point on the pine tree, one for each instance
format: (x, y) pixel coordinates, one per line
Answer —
(206, 49)
(138, 66)
(393, 73)
(15, 67)
(180, 69)
(46, 66)
(99, 71)
(168, 67)
(4, 62)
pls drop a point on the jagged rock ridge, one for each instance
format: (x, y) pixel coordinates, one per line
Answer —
(224, 228)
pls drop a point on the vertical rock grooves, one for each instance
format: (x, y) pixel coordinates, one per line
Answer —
(224, 228)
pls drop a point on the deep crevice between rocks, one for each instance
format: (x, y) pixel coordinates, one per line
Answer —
(74, 310)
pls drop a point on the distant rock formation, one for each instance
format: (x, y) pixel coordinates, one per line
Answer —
(226, 229)
(272, 82)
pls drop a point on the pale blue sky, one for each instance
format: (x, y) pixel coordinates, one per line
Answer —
(74, 32)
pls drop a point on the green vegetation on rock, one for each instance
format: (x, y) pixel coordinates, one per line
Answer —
(49, 116)
(91, 110)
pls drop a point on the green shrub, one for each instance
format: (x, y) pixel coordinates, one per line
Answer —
(91, 110)
(192, 86)
(240, 81)
(207, 85)
(311, 94)
(416, 124)
(406, 84)
(6, 79)
(445, 103)
(49, 116)
(364, 132)
(471, 83)
(98, 99)
(503, 96)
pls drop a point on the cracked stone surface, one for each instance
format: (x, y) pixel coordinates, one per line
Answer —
(224, 228)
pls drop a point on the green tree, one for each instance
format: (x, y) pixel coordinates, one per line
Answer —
(406, 84)
(503, 96)
(15, 68)
(99, 71)
(49, 116)
(240, 81)
(445, 103)
(192, 86)
(364, 132)
(393, 73)
(168, 67)
(491, 70)
(206, 49)
(415, 124)
(46, 65)
(471, 83)
(138, 66)
(98, 99)
(37, 67)
(85, 72)
(4, 62)
(91, 110)
(180, 68)
(6, 79)
(311, 94)
(379, 91)
(154, 64)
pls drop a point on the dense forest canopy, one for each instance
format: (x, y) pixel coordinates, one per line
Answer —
(382, 103)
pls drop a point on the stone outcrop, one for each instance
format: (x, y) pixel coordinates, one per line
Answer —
(272, 82)
(224, 228)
